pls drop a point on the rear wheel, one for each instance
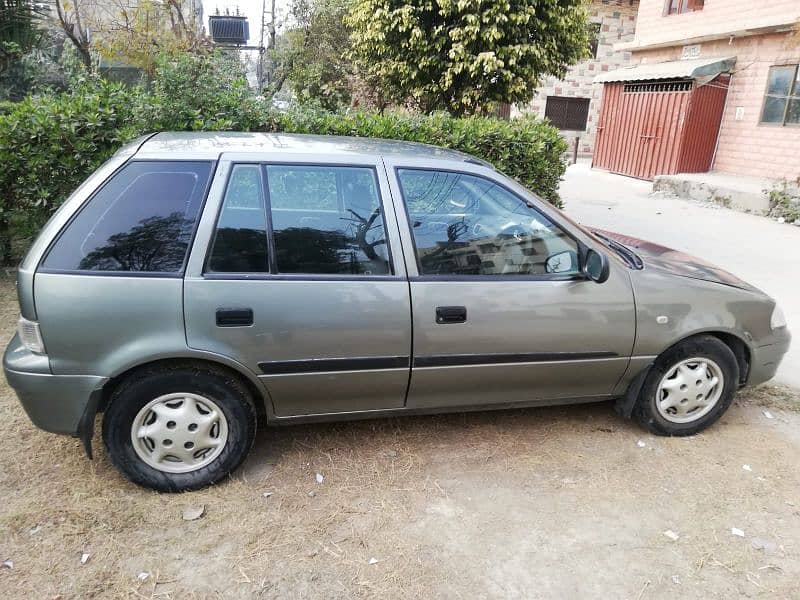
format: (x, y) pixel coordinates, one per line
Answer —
(689, 387)
(180, 427)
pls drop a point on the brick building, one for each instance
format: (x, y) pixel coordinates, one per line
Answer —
(759, 123)
(572, 103)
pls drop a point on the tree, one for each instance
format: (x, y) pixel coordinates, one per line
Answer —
(311, 55)
(20, 33)
(464, 55)
(137, 33)
(19, 28)
(201, 91)
(72, 19)
(155, 244)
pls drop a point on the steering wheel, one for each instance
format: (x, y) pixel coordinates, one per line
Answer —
(514, 229)
(479, 230)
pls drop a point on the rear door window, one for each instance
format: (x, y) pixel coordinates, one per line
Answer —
(327, 220)
(140, 221)
(240, 242)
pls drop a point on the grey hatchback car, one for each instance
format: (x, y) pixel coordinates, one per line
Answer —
(200, 283)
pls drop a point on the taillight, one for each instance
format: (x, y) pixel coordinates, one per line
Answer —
(30, 335)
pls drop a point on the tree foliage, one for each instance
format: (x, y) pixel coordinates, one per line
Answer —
(464, 55)
(20, 34)
(311, 54)
(200, 92)
(136, 34)
(19, 25)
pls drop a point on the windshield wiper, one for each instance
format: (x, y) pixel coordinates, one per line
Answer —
(629, 256)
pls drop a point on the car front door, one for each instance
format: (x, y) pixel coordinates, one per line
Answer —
(294, 274)
(501, 313)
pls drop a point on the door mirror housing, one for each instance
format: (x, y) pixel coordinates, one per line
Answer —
(595, 266)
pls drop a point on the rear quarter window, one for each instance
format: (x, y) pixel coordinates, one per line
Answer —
(141, 220)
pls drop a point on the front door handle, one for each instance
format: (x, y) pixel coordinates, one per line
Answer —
(451, 314)
(234, 317)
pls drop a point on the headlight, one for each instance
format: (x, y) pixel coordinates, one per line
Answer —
(778, 319)
(30, 336)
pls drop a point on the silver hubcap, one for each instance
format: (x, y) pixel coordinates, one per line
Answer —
(178, 433)
(689, 390)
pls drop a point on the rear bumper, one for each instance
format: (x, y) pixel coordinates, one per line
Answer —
(55, 403)
(767, 358)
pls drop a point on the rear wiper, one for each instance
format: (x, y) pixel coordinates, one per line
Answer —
(629, 256)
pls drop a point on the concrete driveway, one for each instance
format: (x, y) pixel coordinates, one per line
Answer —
(757, 249)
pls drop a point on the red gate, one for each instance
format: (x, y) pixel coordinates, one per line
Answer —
(649, 128)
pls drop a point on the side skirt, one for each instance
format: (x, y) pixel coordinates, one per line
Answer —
(409, 412)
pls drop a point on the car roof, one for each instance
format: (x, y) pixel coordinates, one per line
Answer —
(211, 143)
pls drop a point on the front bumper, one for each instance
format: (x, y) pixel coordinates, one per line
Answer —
(767, 358)
(55, 403)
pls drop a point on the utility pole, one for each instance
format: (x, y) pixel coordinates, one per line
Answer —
(261, 49)
(272, 27)
(266, 73)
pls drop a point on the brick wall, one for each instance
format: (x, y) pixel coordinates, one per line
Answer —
(745, 146)
(717, 17)
(617, 20)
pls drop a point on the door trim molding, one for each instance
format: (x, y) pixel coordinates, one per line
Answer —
(457, 360)
(321, 365)
(373, 363)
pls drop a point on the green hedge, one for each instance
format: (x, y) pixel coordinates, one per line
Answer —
(52, 142)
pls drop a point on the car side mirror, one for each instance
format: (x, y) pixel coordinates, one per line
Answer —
(561, 262)
(595, 266)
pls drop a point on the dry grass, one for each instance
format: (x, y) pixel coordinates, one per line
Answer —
(554, 502)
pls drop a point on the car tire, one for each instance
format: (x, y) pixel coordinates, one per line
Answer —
(670, 400)
(179, 427)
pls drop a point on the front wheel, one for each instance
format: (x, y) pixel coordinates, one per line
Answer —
(688, 388)
(177, 428)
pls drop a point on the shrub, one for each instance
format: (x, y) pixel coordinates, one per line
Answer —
(200, 93)
(784, 201)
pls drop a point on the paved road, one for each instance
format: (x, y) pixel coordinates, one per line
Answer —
(757, 249)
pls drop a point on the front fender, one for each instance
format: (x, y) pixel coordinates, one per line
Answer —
(671, 308)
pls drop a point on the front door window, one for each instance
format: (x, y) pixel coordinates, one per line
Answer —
(469, 225)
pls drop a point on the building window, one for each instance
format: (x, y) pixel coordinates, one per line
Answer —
(594, 39)
(567, 113)
(782, 101)
(676, 7)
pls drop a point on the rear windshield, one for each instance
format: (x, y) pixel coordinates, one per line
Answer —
(141, 221)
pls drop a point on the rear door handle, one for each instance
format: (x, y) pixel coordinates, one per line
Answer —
(234, 317)
(451, 314)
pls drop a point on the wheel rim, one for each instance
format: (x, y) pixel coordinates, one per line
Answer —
(689, 390)
(179, 433)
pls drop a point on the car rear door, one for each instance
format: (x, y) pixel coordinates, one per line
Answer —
(297, 274)
(501, 314)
